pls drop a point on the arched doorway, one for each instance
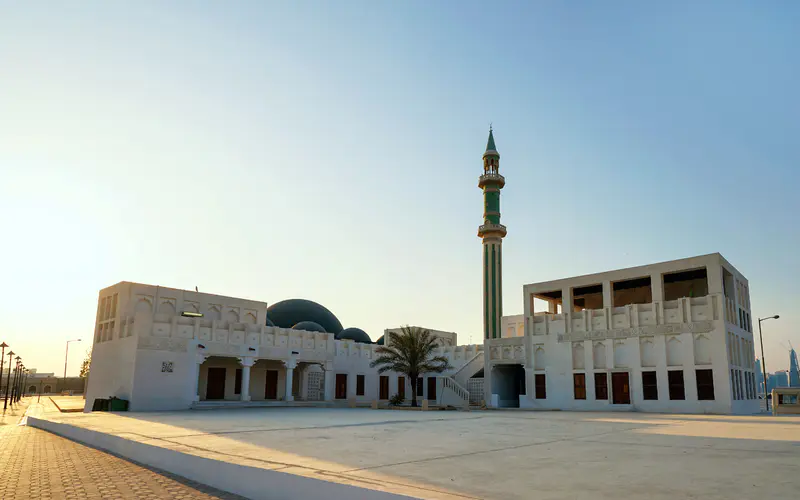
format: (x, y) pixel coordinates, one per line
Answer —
(32, 389)
(46, 389)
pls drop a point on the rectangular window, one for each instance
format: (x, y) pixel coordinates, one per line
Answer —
(579, 385)
(359, 385)
(384, 387)
(601, 386)
(705, 385)
(741, 383)
(650, 385)
(114, 306)
(733, 385)
(419, 387)
(401, 387)
(676, 390)
(541, 386)
(237, 384)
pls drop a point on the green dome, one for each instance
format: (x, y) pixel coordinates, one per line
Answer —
(287, 313)
(380, 341)
(309, 326)
(355, 334)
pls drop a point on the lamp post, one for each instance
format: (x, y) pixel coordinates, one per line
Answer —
(763, 361)
(2, 358)
(25, 381)
(8, 380)
(66, 356)
(20, 386)
(14, 383)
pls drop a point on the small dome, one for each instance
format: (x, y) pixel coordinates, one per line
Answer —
(309, 326)
(354, 334)
(288, 313)
(380, 340)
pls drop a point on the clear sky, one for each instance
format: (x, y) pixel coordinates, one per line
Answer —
(331, 150)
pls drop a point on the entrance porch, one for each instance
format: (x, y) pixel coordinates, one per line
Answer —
(225, 380)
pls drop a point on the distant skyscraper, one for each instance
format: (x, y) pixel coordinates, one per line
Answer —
(759, 377)
(778, 379)
(794, 371)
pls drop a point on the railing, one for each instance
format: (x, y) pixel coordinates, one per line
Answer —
(468, 369)
(486, 228)
(461, 394)
(493, 176)
(686, 310)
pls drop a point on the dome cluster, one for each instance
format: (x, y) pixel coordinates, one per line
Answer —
(301, 314)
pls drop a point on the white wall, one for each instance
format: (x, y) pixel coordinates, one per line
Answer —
(111, 371)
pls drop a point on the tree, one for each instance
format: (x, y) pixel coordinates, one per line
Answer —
(85, 363)
(410, 352)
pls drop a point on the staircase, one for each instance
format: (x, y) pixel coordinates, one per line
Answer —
(468, 369)
(453, 393)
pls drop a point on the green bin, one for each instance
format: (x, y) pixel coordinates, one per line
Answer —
(100, 404)
(117, 404)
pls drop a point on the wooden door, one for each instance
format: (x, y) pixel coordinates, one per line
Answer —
(401, 387)
(341, 386)
(431, 388)
(384, 387)
(620, 389)
(271, 389)
(215, 383)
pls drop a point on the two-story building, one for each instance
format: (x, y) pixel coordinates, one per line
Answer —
(669, 337)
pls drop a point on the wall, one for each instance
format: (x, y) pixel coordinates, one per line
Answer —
(111, 370)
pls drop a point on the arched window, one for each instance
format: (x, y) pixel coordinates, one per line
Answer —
(32, 389)
(46, 389)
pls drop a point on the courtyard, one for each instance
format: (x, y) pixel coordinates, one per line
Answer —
(487, 454)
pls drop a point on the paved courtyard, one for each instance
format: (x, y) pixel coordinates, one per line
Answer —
(37, 464)
(490, 454)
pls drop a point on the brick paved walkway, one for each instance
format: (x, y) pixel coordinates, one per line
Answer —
(37, 464)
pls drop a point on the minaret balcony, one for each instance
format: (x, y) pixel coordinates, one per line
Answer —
(491, 179)
(491, 230)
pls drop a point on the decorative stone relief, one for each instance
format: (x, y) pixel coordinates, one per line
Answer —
(495, 353)
(519, 352)
(162, 344)
(204, 334)
(622, 333)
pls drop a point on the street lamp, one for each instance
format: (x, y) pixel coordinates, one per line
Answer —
(66, 356)
(19, 381)
(25, 381)
(8, 380)
(14, 384)
(763, 362)
(2, 358)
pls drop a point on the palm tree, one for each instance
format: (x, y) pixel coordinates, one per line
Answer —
(410, 353)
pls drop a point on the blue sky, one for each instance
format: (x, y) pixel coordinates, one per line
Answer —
(330, 150)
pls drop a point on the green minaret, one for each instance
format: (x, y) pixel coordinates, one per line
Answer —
(492, 234)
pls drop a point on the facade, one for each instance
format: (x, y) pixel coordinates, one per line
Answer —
(669, 337)
(168, 349)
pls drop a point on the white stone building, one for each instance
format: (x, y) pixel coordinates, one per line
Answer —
(669, 337)
(168, 349)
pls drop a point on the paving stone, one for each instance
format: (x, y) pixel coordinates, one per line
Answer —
(37, 464)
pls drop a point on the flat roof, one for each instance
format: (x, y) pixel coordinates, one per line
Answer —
(680, 264)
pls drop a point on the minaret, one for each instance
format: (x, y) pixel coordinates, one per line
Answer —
(492, 234)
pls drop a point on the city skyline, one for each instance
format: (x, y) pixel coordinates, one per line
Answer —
(331, 153)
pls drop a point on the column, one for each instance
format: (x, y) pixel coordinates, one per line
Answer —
(329, 381)
(199, 360)
(246, 362)
(304, 370)
(290, 364)
(608, 295)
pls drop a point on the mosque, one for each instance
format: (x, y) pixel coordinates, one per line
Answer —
(667, 337)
